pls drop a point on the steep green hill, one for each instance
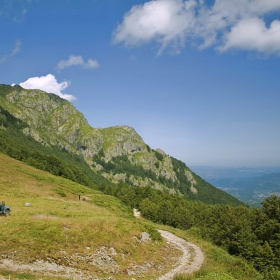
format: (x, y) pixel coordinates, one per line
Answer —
(59, 236)
(113, 155)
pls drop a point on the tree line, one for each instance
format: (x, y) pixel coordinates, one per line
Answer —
(251, 233)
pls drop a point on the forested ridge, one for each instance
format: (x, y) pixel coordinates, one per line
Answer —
(253, 234)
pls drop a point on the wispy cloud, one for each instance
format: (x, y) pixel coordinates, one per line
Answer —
(15, 50)
(14, 10)
(225, 25)
(20, 17)
(49, 84)
(77, 60)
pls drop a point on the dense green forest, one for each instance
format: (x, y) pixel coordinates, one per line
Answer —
(253, 234)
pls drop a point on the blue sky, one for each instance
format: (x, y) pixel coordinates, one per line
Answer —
(198, 79)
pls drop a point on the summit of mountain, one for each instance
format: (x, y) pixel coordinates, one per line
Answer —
(117, 153)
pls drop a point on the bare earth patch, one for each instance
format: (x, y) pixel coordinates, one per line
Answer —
(46, 268)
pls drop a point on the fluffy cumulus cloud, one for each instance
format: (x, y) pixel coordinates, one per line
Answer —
(235, 24)
(166, 21)
(252, 34)
(77, 60)
(49, 84)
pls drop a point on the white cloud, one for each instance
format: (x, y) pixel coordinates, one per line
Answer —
(165, 21)
(15, 50)
(77, 60)
(173, 23)
(49, 84)
(252, 34)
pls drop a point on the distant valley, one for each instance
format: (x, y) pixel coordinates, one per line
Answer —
(249, 184)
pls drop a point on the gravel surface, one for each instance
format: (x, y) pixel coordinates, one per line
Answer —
(190, 261)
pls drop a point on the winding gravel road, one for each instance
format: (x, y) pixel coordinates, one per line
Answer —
(190, 261)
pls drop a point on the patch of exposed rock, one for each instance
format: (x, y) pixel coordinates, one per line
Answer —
(104, 261)
(192, 181)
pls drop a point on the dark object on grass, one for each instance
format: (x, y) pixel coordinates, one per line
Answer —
(4, 209)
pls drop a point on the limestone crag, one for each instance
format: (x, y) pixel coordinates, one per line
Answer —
(54, 121)
(121, 140)
(192, 181)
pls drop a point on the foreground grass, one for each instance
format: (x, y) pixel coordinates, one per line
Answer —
(57, 225)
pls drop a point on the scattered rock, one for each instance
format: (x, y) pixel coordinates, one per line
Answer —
(136, 213)
(145, 237)
(103, 259)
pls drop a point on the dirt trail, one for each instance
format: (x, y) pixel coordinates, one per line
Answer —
(190, 261)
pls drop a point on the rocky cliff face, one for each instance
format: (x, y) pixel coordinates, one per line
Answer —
(54, 121)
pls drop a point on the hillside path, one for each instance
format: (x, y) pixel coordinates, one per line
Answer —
(190, 261)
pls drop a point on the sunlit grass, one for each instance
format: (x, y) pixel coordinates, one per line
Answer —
(58, 223)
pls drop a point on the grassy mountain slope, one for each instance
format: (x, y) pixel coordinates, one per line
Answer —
(116, 153)
(60, 237)
(49, 158)
(58, 228)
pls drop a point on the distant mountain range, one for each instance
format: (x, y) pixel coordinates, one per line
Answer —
(249, 184)
(68, 146)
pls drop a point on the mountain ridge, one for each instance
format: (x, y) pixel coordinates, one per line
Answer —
(118, 153)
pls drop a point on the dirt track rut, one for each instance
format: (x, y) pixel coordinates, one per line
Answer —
(190, 261)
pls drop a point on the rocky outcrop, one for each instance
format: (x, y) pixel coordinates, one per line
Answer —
(54, 121)
(192, 181)
(121, 140)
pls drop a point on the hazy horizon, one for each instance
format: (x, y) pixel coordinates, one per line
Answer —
(197, 79)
